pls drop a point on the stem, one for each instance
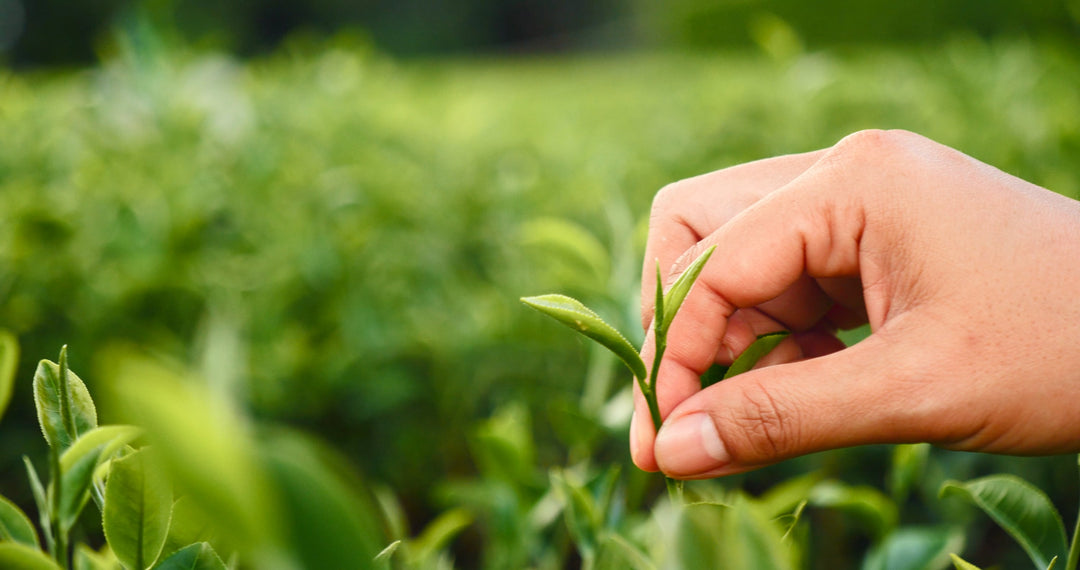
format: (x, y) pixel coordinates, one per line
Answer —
(60, 543)
(1074, 547)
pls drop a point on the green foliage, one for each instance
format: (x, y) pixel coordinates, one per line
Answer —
(335, 240)
(1024, 511)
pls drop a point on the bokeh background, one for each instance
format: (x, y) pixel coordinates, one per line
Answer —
(331, 208)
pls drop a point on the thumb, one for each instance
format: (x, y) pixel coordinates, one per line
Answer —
(861, 395)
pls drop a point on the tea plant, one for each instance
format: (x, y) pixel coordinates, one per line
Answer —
(90, 461)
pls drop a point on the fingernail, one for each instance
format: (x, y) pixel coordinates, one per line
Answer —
(690, 445)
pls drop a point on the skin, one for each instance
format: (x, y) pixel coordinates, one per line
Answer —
(968, 277)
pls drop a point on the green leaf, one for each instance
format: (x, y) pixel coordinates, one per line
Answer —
(572, 313)
(9, 359)
(75, 490)
(106, 439)
(962, 564)
(382, 559)
(583, 519)
(15, 526)
(198, 556)
(17, 556)
(573, 239)
(65, 409)
(87, 559)
(138, 507)
(188, 526)
(41, 499)
(753, 353)
(616, 553)
(908, 464)
(1024, 511)
(737, 536)
(915, 548)
(330, 520)
(424, 548)
(876, 510)
(675, 296)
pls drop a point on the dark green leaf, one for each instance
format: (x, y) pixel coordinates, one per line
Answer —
(1024, 511)
(9, 359)
(753, 353)
(577, 316)
(425, 548)
(75, 490)
(198, 556)
(65, 409)
(583, 519)
(908, 464)
(15, 526)
(41, 499)
(138, 506)
(915, 548)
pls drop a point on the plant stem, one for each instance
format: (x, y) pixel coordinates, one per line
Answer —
(59, 544)
(1074, 547)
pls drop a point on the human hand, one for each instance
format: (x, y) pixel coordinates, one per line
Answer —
(968, 277)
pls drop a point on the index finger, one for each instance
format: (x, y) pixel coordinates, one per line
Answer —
(686, 212)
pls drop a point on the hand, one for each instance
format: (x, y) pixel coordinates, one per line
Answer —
(968, 277)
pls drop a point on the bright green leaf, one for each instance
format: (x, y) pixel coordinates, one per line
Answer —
(86, 559)
(17, 556)
(64, 406)
(962, 564)
(675, 295)
(1024, 511)
(40, 497)
(755, 352)
(572, 313)
(382, 559)
(138, 506)
(188, 526)
(9, 359)
(15, 526)
(106, 439)
(198, 556)
(914, 548)
(564, 235)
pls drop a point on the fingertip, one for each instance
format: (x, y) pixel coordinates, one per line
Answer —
(641, 444)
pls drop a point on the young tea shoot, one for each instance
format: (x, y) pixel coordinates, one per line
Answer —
(577, 316)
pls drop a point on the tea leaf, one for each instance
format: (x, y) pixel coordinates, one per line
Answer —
(574, 314)
(65, 409)
(582, 517)
(198, 556)
(755, 352)
(1024, 511)
(17, 556)
(75, 487)
(108, 438)
(15, 525)
(87, 559)
(9, 359)
(187, 526)
(870, 505)
(616, 553)
(908, 464)
(382, 559)
(138, 507)
(40, 498)
(675, 296)
(962, 564)
(736, 536)
(915, 548)
(424, 548)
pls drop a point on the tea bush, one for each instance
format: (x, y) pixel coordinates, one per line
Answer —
(337, 241)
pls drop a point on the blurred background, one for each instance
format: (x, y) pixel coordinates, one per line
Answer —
(330, 208)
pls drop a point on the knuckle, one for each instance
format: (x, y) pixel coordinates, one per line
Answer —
(761, 425)
(665, 197)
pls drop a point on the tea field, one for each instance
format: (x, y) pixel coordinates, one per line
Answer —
(334, 240)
